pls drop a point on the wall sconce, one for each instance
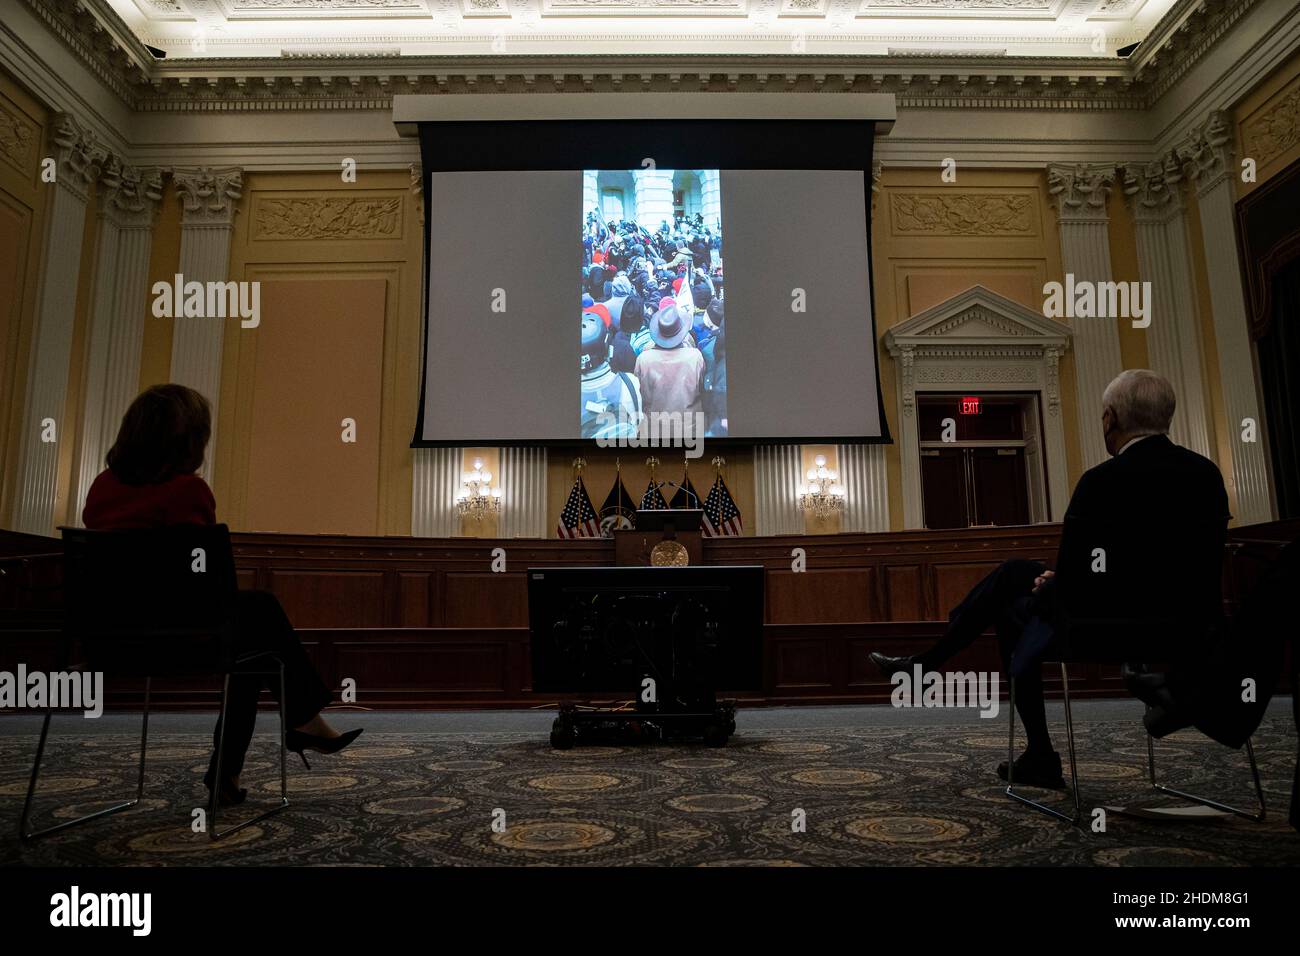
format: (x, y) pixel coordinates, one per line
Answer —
(823, 495)
(477, 497)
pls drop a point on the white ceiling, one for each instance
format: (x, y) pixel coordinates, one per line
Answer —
(385, 28)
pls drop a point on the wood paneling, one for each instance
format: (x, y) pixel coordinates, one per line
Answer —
(427, 623)
(316, 598)
(484, 599)
(952, 580)
(821, 596)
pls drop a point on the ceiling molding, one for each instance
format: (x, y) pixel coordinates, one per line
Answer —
(312, 79)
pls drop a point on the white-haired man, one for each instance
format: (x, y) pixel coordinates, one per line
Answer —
(1143, 541)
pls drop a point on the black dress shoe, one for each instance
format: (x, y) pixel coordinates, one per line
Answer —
(228, 795)
(889, 666)
(1036, 771)
(1147, 686)
(1163, 720)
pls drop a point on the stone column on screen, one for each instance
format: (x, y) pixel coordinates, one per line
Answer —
(653, 189)
(711, 197)
(78, 161)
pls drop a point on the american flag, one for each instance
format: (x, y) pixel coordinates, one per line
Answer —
(653, 499)
(721, 516)
(579, 518)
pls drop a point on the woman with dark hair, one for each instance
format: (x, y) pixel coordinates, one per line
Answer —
(150, 482)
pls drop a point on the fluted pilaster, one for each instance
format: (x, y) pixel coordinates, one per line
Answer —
(1080, 193)
(866, 487)
(128, 205)
(1207, 160)
(435, 481)
(777, 471)
(208, 204)
(79, 160)
(1154, 193)
(522, 481)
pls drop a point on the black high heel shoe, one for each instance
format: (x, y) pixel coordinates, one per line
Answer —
(296, 741)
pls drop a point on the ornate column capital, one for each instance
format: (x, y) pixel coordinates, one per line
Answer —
(417, 189)
(1206, 154)
(877, 170)
(208, 196)
(1152, 189)
(77, 152)
(130, 195)
(1080, 190)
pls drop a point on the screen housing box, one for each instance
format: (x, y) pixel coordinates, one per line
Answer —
(523, 123)
(411, 109)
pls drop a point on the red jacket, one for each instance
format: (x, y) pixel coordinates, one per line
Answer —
(184, 499)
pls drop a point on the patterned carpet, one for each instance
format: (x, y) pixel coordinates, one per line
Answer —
(880, 796)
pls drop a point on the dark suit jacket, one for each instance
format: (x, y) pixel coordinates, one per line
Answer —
(1154, 517)
(1208, 687)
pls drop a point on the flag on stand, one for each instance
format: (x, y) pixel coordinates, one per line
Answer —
(721, 516)
(686, 496)
(579, 518)
(653, 499)
(618, 513)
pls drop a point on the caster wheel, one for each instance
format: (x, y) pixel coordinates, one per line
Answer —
(715, 735)
(562, 735)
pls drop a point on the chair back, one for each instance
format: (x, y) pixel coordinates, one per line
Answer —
(150, 600)
(1139, 594)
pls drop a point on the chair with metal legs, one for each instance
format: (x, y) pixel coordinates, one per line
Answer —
(213, 832)
(27, 834)
(1077, 815)
(154, 603)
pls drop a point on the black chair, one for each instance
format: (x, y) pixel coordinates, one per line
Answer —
(1077, 815)
(154, 603)
(1163, 588)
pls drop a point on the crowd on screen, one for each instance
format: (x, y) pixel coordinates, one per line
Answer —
(653, 335)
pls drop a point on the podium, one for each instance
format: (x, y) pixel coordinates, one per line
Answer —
(656, 526)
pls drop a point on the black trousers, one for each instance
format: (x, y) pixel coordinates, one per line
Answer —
(263, 627)
(1003, 600)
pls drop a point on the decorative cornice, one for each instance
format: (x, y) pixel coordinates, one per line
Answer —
(79, 156)
(128, 195)
(1080, 191)
(208, 196)
(92, 29)
(1206, 153)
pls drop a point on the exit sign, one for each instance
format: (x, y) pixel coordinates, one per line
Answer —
(970, 405)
